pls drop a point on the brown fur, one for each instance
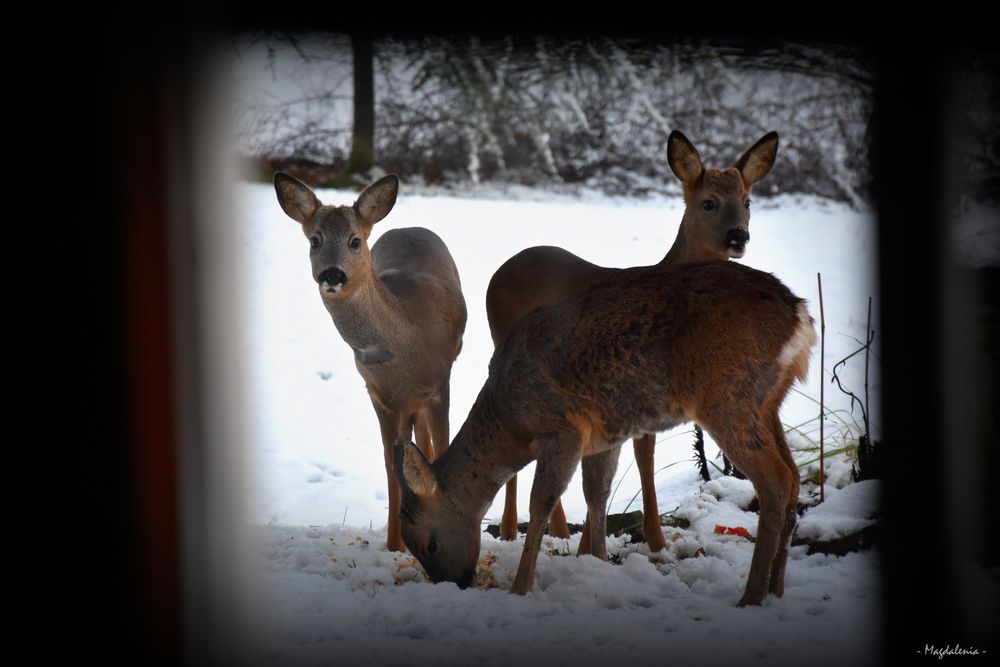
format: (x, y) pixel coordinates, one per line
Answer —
(547, 275)
(646, 349)
(723, 183)
(402, 302)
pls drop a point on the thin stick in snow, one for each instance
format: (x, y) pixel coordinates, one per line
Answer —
(868, 347)
(822, 351)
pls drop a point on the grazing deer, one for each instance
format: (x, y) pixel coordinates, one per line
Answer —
(398, 305)
(641, 351)
(714, 227)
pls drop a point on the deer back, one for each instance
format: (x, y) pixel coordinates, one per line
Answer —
(415, 266)
(535, 278)
(652, 347)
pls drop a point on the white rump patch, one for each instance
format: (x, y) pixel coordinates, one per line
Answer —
(801, 341)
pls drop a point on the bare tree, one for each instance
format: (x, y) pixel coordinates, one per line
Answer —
(362, 157)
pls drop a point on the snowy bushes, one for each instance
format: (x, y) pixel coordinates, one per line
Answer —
(596, 112)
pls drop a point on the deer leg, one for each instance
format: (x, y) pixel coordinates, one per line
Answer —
(422, 429)
(777, 584)
(557, 522)
(394, 535)
(651, 530)
(556, 464)
(598, 473)
(756, 454)
(584, 548)
(389, 426)
(508, 524)
(439, 421)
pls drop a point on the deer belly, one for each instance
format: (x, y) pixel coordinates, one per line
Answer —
(594, 438)
(614, 437)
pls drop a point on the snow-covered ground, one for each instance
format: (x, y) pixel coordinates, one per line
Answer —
(318, 488)
(334, 597)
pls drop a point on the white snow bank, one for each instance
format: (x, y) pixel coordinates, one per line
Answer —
(844, 512)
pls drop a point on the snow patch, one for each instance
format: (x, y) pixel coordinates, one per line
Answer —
(739, 492)
(845, 511)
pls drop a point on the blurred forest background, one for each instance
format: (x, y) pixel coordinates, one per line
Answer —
(563, 112)
(550, 111)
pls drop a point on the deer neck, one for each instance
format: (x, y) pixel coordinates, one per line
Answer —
(679, 250)
(369, 317)
(482, 458)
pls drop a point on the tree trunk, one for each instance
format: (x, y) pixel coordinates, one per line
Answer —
(362, 156)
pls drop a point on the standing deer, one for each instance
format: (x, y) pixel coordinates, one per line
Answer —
(398, 305)
(714, 227)
(641, 351)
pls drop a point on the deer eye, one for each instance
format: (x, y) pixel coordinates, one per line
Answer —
(432, 547)
(708, 205)
(747, 205)
(314, 242)
(355, 243)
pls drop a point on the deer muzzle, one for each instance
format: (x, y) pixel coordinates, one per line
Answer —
(466, 580)
(332, 280)
(736, 241)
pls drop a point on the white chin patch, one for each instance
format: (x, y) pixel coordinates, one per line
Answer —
(735, 252)
(327, 287)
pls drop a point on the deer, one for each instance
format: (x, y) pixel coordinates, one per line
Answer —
(714, 227)
(643, 350)
(398, 305)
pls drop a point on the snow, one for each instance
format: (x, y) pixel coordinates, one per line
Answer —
(333, 596)
(318, 479)
(845, 511)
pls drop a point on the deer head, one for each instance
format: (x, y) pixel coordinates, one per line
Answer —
(338, 235)
(717, 215)
(442, 535)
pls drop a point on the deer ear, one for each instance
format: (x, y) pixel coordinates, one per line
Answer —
(296, 199)
(683, 158)
(413, 470)
(377, 199)
(757, 161)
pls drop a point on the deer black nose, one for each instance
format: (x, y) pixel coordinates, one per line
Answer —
(737, 236)
(466, 579)
(332, 279)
